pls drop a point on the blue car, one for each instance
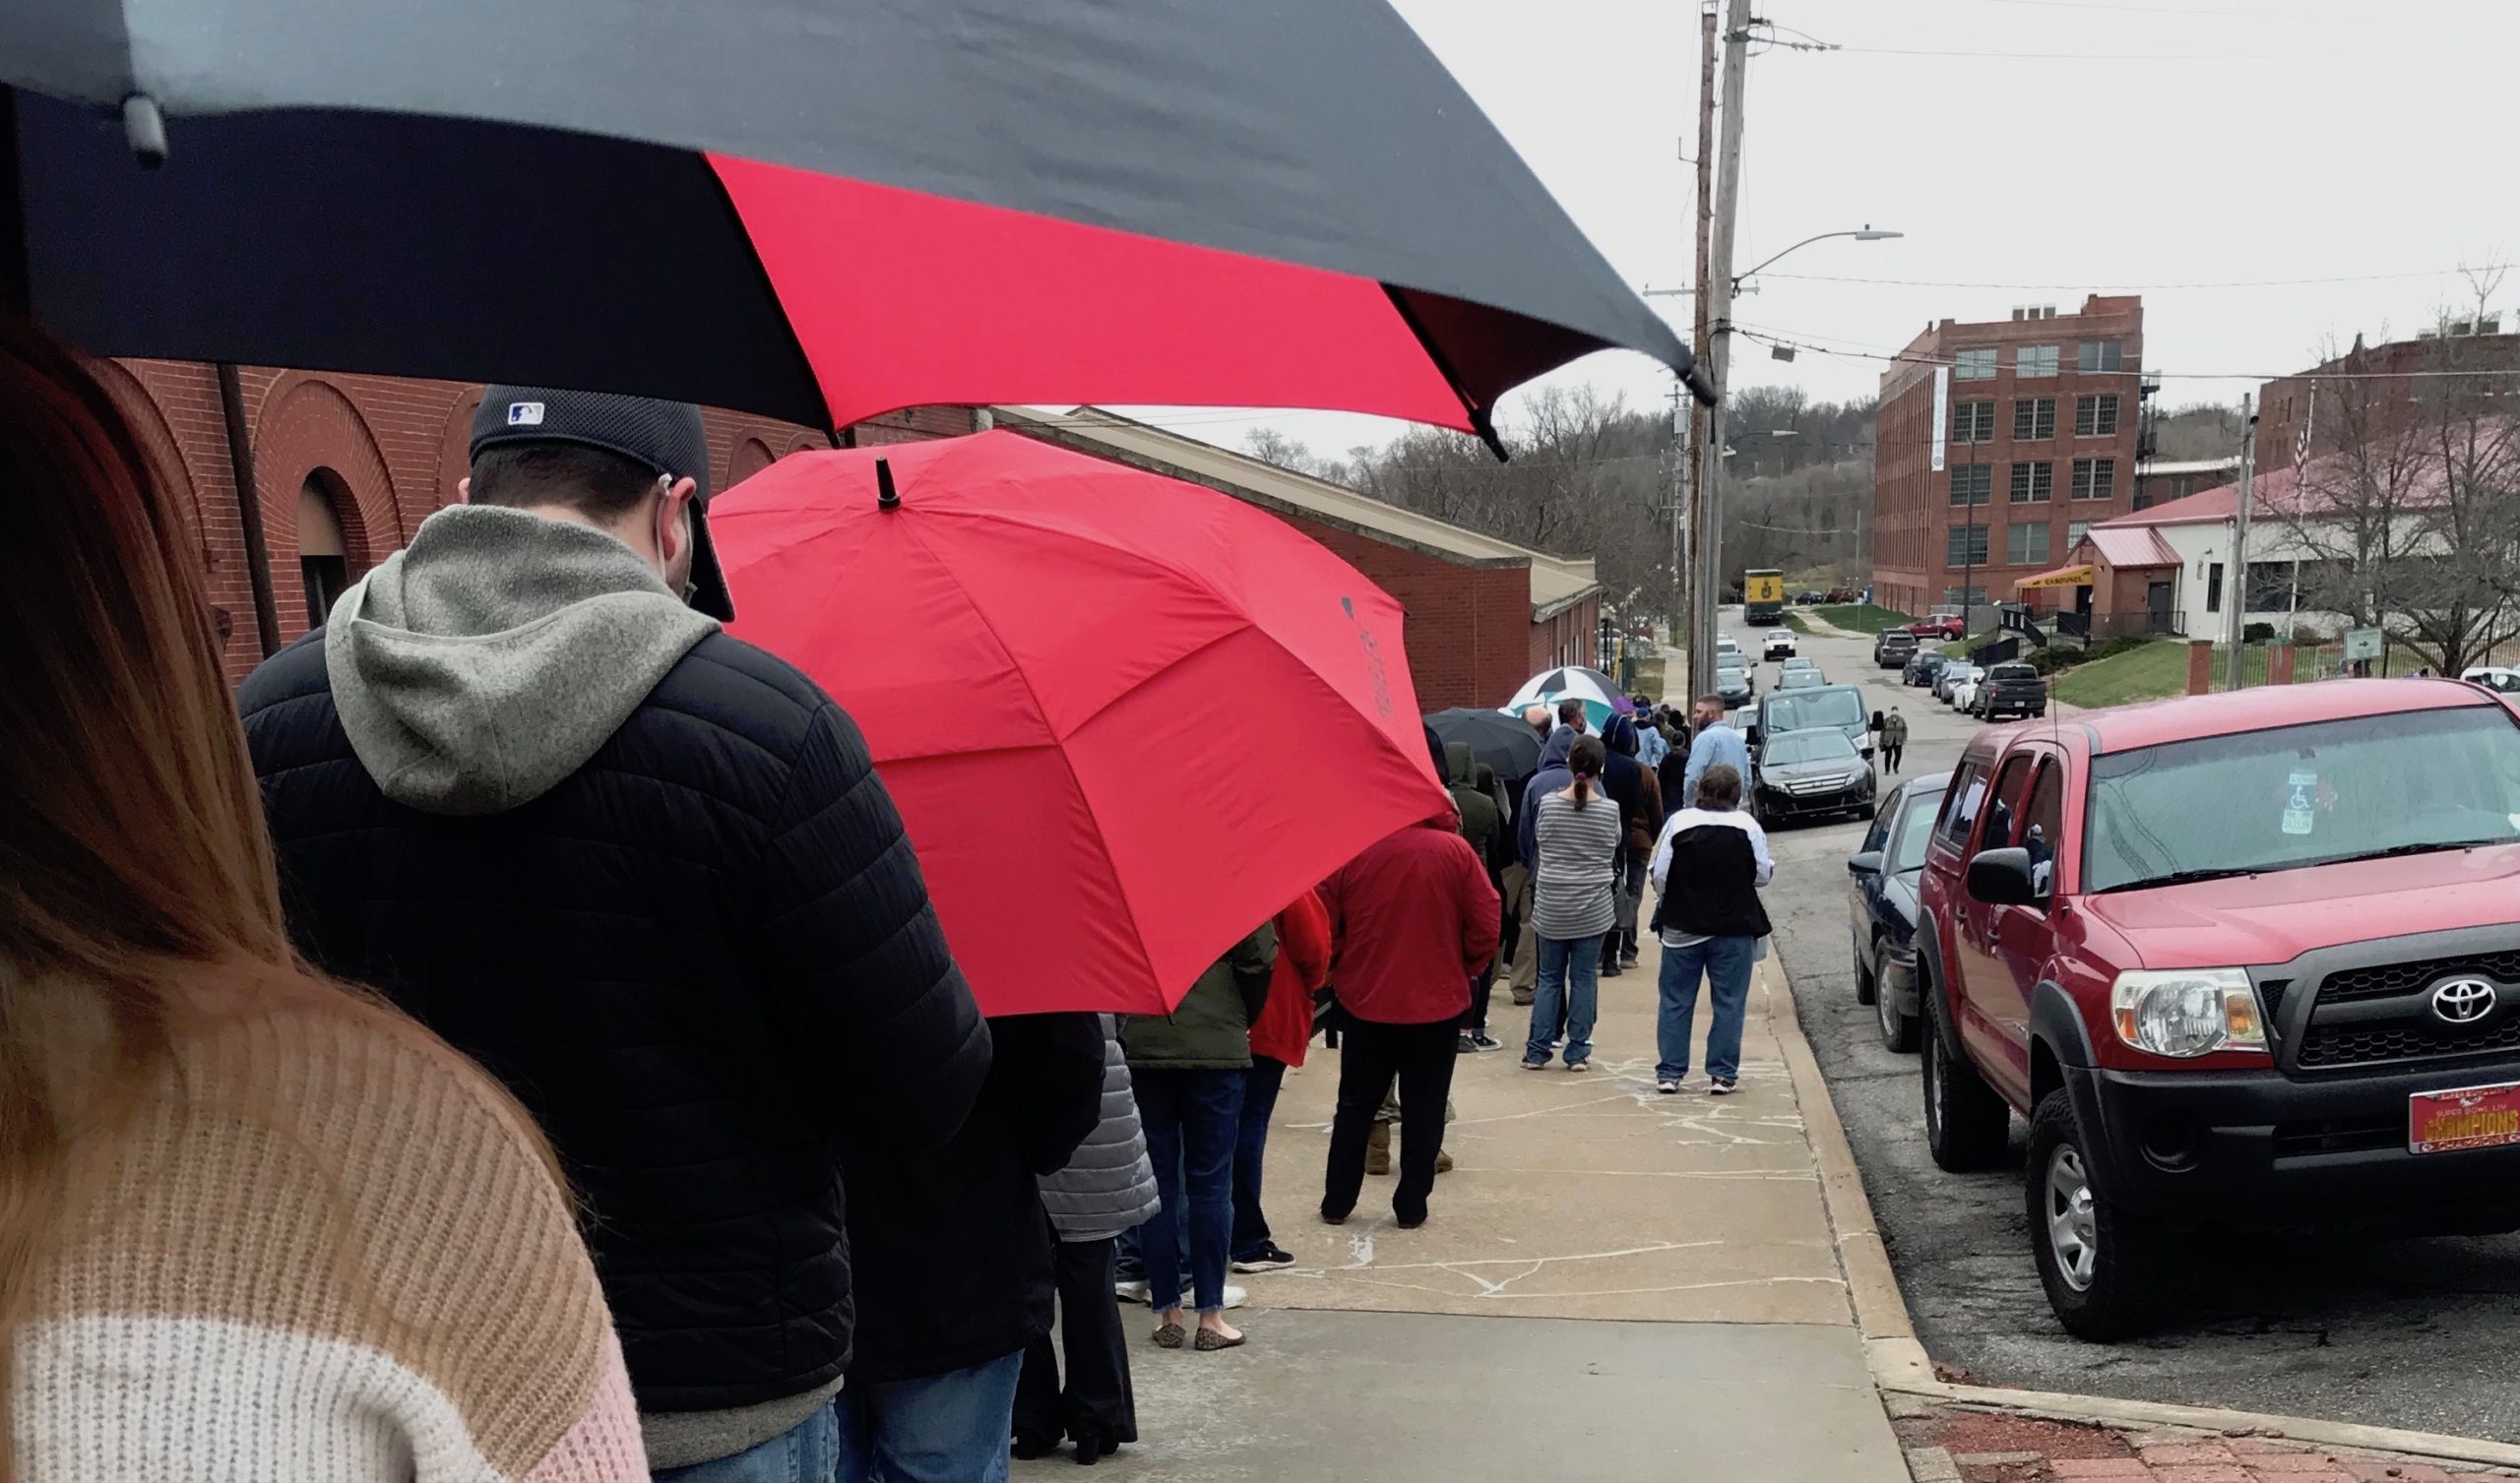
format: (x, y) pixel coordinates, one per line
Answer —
(1882, 904)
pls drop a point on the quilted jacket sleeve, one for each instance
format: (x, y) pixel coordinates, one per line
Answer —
(850, 956)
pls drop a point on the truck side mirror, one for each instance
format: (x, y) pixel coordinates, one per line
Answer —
(2003, 877)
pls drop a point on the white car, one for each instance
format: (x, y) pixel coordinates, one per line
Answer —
(2494, 677)
(1779, 645)
(1964, 693)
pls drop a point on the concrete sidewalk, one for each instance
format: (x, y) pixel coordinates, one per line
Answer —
(1611, 1282)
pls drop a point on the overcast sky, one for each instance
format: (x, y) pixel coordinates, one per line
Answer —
(2089, 144)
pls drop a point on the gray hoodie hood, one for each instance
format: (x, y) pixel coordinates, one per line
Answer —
(487, 660)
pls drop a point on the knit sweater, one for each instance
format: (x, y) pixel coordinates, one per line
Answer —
(1578, 859)
(333, 1259)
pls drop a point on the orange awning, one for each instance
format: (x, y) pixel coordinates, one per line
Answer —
(2062, 576)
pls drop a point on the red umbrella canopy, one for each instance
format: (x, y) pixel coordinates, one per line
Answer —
(1126, 718)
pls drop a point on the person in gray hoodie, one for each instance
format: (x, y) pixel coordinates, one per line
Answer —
(1107, 1188)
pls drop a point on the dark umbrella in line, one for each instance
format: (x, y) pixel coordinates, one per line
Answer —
(1503, 742)
(818, 210)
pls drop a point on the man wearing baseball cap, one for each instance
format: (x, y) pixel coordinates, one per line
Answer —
(645, 873)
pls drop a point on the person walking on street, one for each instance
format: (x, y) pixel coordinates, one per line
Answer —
(1484, 828)
(254, 1224)
(931, 1387)
(1190, 1068)
(1410, 920)
(1652, 746)
(1709, 866)
(1280, 1037)
(1579, 834)
(1714, 743)
(1894, 739)
(646, 874)
(1106, 1187)
(1639, 796)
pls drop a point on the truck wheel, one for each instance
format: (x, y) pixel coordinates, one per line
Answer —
(1868, 982)
(1966, 1122)
(1898, 1026)
(2106, 1273)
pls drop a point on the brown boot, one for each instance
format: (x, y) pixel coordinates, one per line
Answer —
(1443, 1162)
(1378, 1149)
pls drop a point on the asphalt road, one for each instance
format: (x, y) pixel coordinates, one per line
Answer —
(2423, 1335)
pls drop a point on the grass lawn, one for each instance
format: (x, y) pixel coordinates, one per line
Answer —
(1860, 617)
(2149, 673)
(1800, 624)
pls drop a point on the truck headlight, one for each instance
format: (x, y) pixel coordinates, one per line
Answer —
(2186, 1011)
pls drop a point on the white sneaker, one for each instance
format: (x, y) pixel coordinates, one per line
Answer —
(1233, 1296)
(1130, 1293)
(1719, 1088)
(1667, 1087)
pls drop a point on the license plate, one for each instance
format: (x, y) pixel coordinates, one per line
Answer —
(2472, 1117)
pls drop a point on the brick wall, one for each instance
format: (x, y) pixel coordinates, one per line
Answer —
(390, 449)
(1468, 632)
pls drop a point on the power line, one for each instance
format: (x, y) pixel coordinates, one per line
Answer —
(2343, 277)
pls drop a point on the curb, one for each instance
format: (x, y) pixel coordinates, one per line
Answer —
(1901, 1366)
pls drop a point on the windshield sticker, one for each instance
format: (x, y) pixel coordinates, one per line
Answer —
(2299, 797)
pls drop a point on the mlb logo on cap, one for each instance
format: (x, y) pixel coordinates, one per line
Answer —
(525, 414)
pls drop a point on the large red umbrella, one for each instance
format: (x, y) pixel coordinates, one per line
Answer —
(1126, 718)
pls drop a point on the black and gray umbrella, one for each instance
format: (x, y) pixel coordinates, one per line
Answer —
(1503, 742)
(817, 210)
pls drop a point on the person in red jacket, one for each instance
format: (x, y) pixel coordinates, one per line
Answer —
(1410, 920)
(1277, 1040)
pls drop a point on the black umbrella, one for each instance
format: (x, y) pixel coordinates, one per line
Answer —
(817, 210)
(1501, 741)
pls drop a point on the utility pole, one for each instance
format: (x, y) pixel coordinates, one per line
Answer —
(2236, 579)
(1715, 301)
(1684, 497)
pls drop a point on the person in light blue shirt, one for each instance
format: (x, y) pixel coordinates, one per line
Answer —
(1714, 742)
(1651, 747)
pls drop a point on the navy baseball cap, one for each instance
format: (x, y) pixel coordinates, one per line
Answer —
(665, 436)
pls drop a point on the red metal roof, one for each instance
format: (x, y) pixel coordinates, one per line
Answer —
(2138, 547)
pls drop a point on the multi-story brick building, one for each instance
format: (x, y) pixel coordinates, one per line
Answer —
(1998, 444)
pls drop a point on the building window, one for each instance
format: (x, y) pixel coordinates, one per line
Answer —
(1972, 422)
(1972, 365)
(323, 567)
(1965, 545)
(2075, 533)
(2145, 499)
(2096, 417)
(1973, 596)
(2214, 588)
(2093, 356)
(2034, 417)
(2025, 544)
(1973, 483)
(2270, 586)
(2035, 360)
(2034, 483)
(2095, 478)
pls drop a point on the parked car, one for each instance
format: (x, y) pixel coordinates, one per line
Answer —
(1963, 696)
(1952, 672)
(2494, 677)
(1799, 679)
(1732, 683)
(1808, 597)
(1799, 662)
(1808, 774)
(1892, 646)
(1779, 644)
(1840, 594)
(1882, 902)
(1922, 667)
(1837, 707)
(2012, 688)
(1943, 625)
(2246, 962)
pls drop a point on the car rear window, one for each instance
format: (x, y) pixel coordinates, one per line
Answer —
(1960, 815)
(1789, 711)
(2293, 796)
(2012, 672)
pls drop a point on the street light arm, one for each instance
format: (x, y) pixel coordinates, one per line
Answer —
(1868, 234)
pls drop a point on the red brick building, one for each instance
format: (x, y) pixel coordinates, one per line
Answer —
(1484, 614)
(1999, 443)
(346, 466)
(2371, 408)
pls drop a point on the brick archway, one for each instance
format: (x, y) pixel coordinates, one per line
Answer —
(455, 450)
(309, 424)
(158, 444)
(751, 457)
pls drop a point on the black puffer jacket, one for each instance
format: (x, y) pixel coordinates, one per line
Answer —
(699, 960)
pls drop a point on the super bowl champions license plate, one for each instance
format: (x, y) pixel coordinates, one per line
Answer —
(2471, 1116)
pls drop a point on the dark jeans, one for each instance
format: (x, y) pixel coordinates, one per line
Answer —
(1259, 1099)
(1192, 1121)
(1096, 1400)
(1482, 984)
(1422, 1058)
(1890, 757)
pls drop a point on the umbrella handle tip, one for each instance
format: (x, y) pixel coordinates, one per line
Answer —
(885, 496)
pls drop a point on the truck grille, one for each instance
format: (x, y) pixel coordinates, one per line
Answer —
(2385, 979)
(2332, 1045)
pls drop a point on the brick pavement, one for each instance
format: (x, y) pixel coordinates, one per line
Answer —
(1956, 1445)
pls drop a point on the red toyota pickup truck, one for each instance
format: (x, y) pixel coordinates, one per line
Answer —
(2244, 961)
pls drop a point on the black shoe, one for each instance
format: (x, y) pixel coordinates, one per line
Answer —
(1268, 1258)
(1409, 1220)
(1482, 1040)
(1612, 970)
(1029, 1446)
(1467, 1045)
(1090, 1450)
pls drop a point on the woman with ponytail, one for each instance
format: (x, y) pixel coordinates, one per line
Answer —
(252, 1224)
(1579, 832)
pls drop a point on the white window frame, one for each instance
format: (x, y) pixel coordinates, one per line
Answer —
(2096, 401)
(1976, 364)
(2051, 358)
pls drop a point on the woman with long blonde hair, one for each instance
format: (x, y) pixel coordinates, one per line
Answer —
(253, 1225)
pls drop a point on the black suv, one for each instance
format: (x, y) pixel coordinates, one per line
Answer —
(1892, 646)
(2011, 688)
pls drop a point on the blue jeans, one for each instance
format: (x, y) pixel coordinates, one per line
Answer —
(1250, 1145)
(1192, 1119)
(951, 1428)
(807, 1452)
(1570, 980)
(1726, 963)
